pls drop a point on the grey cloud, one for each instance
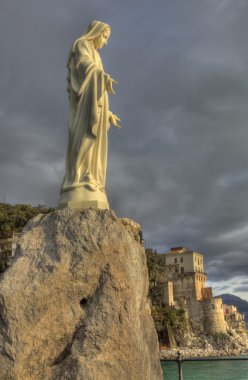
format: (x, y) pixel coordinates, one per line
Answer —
(223, 288)
(241, 289)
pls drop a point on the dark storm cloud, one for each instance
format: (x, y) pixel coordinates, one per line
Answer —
(179, 165)
(241, 289)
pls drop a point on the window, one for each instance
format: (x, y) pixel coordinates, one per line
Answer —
(175, 261)
(212, 306)
(182, 270)
(181, 259)
(176, 270)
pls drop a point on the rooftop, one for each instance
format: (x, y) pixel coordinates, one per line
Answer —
(177, 250)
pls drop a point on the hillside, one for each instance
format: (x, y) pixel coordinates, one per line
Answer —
(14, 217)
(241, 304)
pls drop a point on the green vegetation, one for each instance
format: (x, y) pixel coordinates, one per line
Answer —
(169, 316)
(14, 217)
(156, 266)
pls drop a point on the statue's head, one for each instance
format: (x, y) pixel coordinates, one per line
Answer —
(102, 38)
(98, 32)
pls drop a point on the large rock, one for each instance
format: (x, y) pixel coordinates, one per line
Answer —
(74, 303)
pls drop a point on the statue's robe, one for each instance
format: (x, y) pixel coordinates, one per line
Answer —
(88, 116)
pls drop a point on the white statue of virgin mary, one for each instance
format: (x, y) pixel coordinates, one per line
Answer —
(89, 120)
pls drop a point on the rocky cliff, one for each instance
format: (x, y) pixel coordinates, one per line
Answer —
(194, 342)
(74, 303)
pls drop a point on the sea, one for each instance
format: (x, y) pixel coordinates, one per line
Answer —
(212, 370)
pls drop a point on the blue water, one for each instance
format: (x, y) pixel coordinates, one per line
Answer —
(217, 370)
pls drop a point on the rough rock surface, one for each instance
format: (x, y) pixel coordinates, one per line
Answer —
(74, 302)
(195, 343)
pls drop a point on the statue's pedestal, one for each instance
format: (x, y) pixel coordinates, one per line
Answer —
(81, 197)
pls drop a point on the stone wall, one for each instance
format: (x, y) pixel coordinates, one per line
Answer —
(200, 280)
(208, 313)
(214, 321)
(184, 286)
(195, 311)
(168, 294)
(189, 285)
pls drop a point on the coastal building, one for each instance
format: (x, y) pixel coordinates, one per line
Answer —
(185, 260)
(186, 288)
(189, 278)
(234, 318)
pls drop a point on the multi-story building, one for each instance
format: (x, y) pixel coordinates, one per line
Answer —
(189, 272)
(186, 288)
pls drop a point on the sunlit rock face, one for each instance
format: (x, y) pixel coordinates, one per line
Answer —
(74, 302)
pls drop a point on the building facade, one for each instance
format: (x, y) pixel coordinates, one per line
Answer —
(190, 291)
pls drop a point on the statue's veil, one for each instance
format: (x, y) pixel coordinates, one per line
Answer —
(93, 31)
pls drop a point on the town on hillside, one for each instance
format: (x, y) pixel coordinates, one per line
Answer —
(178, 281)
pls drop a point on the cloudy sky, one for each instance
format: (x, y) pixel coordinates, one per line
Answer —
(179, 164)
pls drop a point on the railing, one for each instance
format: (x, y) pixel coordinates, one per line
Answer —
(179, 360)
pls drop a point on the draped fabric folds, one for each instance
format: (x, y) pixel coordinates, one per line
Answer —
(88, 114)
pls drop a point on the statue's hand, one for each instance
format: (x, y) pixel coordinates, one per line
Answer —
(113, 119)
(109, 84)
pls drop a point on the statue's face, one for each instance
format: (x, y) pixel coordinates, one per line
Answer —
(102, 39)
